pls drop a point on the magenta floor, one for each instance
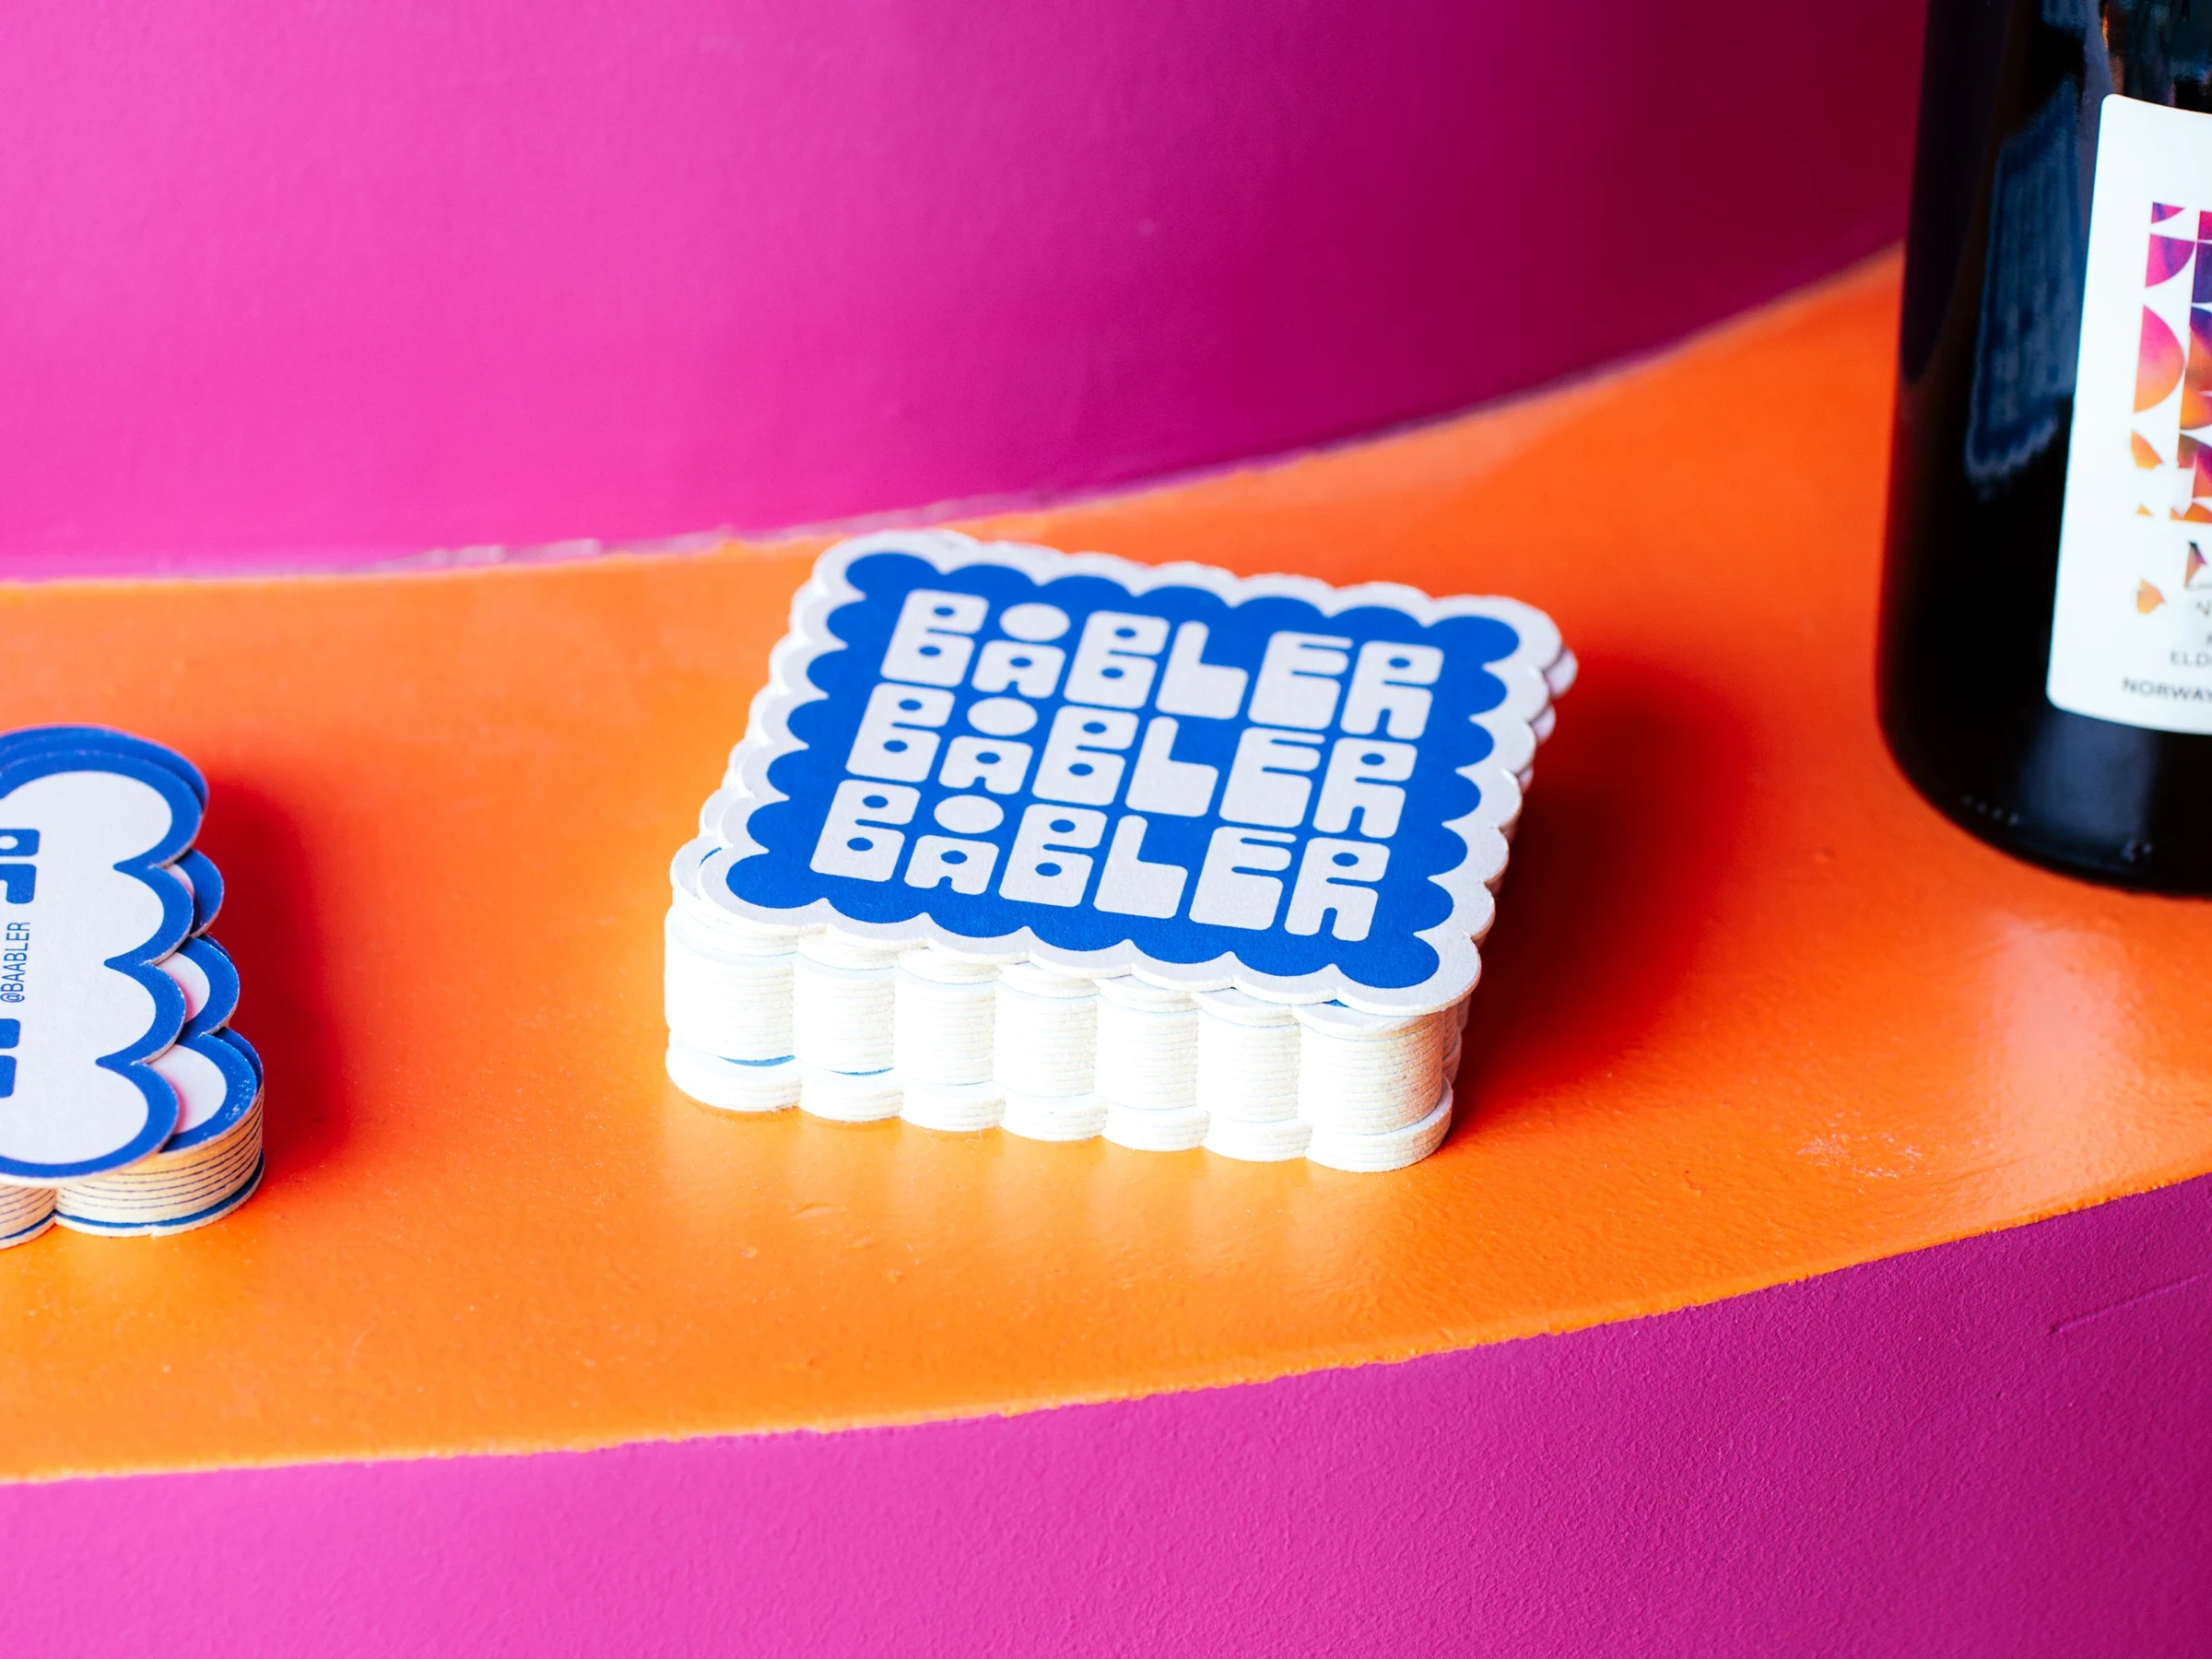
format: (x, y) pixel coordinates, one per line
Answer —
(1997, 1447)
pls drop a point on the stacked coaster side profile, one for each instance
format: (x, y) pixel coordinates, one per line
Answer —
(127, 1105)
(1074, 846)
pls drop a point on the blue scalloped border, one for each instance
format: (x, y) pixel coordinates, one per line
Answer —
(206, 889)
(25, 763)
(94, 739)
(222, 986)
(241, 1078)
(1508, 724)
(238, 1040)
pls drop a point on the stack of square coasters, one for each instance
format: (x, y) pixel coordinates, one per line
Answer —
(127, 1104)
(1072, 846)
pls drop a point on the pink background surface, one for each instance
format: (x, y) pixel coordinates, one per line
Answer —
(2001, 1447)
(291, 285)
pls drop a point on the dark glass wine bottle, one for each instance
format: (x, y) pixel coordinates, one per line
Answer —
(2045, 673)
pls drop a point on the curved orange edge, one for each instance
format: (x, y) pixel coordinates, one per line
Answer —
(1752, 1011)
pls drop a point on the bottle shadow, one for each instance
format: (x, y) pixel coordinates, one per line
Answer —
(270, 924)
(1629, 831)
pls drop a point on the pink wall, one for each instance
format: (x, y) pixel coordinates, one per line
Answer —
(285, 282)
(1999, 1447)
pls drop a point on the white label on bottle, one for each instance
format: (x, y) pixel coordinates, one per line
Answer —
(2131, 636)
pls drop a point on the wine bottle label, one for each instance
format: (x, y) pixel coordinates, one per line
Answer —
(2131, 634)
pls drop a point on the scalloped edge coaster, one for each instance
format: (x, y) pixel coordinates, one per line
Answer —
(1074, 770)
(90, 831)
(207, 1078)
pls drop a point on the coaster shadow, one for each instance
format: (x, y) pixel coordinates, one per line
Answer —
(1629, 831)
(287, 1007)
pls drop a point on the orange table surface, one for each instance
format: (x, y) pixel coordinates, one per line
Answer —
(1752, 1011)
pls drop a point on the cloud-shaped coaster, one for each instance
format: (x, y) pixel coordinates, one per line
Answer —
(34, 740)
(204, 972)
(1268, 783)
(206, 884)
(88, 822)
(212, 1164)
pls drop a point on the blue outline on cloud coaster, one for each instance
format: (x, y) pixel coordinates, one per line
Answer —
(212, 1164)
(237, 1040)
(206, 884)
(78, 739)
(205, 973)
(88, 908)
(193, 867)
(1299, 792)
(216, 1084)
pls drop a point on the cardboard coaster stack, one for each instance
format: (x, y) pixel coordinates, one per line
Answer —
(1071, 846)
(127, 1104)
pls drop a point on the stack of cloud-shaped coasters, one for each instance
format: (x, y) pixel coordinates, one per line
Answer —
(126, 1103)
(1074, 846)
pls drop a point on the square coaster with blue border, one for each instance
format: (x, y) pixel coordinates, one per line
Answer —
(1265, 783)
(1082, 777)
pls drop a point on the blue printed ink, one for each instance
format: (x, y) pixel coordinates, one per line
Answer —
(1172, 769)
